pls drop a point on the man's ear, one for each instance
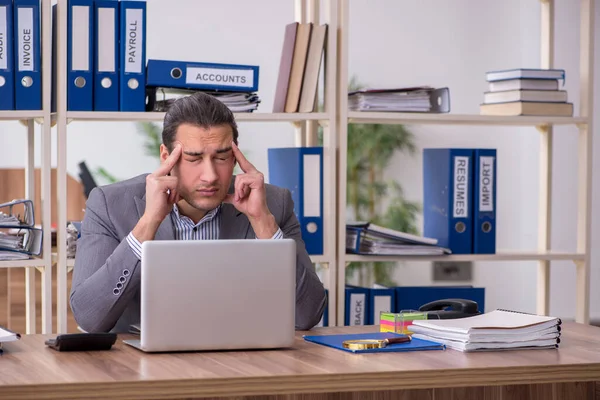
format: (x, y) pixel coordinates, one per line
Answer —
(164, 153)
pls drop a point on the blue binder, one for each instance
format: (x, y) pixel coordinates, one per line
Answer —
(356, 305)
(106, 55)
(7, 72)
(202, 76)
(413, 297)
(336, 342)
(80, 55)
(447, 198)
(28, 76)
(380, 300)
(132, 55)
(484, 205)
(300, 169)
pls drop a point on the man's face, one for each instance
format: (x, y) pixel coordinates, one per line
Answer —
(205, 168)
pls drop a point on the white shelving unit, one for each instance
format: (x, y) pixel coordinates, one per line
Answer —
(42, 264)
(305, 123)
(544, 254)
(334, 122)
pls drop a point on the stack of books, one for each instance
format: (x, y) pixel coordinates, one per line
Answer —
(369, 239)
(526, 92)
(299, 67)
(496, 330)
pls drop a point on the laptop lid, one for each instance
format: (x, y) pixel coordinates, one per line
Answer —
(217, 294)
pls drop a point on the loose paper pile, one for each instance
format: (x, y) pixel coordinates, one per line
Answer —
(496, 330)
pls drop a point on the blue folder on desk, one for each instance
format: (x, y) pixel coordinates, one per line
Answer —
(336, 341)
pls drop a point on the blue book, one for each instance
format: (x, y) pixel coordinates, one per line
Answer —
(7, 72)
(525, 73)
(336, 341)
(447, 198)
(300, 170)
(484, 204)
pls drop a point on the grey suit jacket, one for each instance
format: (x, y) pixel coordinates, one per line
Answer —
(104, 257)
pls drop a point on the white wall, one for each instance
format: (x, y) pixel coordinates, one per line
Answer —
(400, 43)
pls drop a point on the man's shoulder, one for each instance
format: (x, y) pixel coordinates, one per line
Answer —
(275, 191)
(128, 188)
(278, 197)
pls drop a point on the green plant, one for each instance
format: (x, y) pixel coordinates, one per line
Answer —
(370, 150)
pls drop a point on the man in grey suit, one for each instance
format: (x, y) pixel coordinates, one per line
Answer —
(193, 195)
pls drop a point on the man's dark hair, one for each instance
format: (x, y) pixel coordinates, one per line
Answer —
(199, 109)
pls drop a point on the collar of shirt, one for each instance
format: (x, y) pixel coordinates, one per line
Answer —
(187, 221)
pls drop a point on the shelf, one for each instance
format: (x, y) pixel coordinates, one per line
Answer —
(20, 115)
(71, 261)
(458, 119)
(159, 116)
(33, 262)
(320, 260)
(500, 256)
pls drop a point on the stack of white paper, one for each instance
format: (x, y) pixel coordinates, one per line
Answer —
(8, 336)
(413, 99)
(496, 330)
(235, 101)
(370, 239)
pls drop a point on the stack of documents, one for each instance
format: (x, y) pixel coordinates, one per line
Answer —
(19, 238)
(8, 336)
(496, 330)
(368, 238)
(160, 99)
(412, 99)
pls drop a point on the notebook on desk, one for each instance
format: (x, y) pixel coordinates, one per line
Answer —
(336, 341)
(496, 330)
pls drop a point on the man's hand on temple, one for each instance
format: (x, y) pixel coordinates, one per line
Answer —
(161, 194)
(250, 197)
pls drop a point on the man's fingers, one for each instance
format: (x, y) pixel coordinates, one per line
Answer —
(170, 162)
(162, 183)
(245, 165)
(242, 186)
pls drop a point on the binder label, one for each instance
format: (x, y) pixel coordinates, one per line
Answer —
(106, 40)
(134, 18)
(486, 183)
(312, 185)
(25, 40)
(460, 208)
(382, 304)
(80, 31)
(357, 309)
(3, 38)
(218, 76)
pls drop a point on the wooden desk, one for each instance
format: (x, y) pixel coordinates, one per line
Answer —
(29, 370)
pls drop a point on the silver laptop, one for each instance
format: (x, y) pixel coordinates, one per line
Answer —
(217, 295)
